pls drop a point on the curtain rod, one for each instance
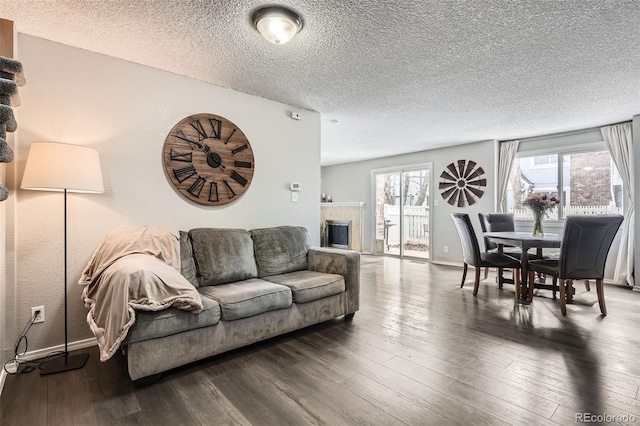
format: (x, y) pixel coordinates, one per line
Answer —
(570, 132)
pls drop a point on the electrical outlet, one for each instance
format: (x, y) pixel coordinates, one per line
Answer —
(446, 249)
(40, 317)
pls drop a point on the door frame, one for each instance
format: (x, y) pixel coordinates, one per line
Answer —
(372, 199)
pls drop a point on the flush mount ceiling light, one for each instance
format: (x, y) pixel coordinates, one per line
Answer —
(277, 24)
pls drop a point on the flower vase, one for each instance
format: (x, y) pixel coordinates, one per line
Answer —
(537, 223)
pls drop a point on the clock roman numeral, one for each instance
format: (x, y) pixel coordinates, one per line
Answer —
(242, 164)
(197, 186)
(181, 156)
(216, 128)
(180, 135)
(184, 173)
(213, 192)
(231, 135)
(240, 148)
(196, 124)
(230, 191)
(238, 178)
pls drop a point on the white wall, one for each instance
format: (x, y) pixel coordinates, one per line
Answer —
(125, 111)
(636, 194)
(352, 183)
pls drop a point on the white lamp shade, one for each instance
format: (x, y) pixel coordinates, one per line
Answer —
(53, 166)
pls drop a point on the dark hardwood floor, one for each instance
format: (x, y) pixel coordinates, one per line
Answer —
(420, 351)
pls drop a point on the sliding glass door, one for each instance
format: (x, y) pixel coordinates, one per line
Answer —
(402, 217)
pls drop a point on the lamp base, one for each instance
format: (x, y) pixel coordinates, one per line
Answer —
(64, 363)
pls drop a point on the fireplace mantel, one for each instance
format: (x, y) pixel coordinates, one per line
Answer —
(344, 204)
(347, 211)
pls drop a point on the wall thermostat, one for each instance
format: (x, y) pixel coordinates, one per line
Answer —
(295, 187)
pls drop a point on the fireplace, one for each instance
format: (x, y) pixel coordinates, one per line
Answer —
(339, 233)
(349, 213)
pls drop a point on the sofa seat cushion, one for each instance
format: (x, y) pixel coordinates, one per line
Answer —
(223, 255)
(307, 286)
(248, 298)
(152, 325)
(280, 249)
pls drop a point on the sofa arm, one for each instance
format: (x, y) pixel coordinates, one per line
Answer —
(341, 262)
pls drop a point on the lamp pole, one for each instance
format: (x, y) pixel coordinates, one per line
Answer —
(66, 362)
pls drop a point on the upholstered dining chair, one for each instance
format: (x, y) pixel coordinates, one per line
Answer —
(473, 256)
(502, 222)
(585, 245)
(498, 222)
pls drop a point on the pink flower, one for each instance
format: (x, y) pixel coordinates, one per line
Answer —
(540, 203)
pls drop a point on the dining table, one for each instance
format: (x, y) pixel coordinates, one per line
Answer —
(524, 241)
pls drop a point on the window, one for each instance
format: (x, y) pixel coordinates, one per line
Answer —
(585, 181)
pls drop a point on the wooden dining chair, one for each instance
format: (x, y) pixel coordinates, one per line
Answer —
(585, 245)
(473, 256)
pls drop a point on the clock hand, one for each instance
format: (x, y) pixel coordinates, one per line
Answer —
(213, 159)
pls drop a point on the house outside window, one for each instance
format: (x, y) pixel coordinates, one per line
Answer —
(584, 180)
(544, 161)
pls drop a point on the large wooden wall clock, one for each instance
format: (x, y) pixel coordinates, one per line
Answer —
(208, 159)
(462, 183)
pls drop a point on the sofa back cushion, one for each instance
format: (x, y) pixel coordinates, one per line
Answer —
(280, 249)
(187, 263)
(223, 255)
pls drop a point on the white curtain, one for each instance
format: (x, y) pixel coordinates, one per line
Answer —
(508, 152)
(618, 138)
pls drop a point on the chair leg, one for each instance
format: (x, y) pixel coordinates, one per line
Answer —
(587, 285)
(500, 278)
(464, 274)
(486, 273)
(476, 282)
(600, 291)
(563, 297)
(569, 291)
(554, 286)
(516, 281)
(531, 285)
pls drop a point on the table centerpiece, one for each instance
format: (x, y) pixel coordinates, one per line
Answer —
(540, 204)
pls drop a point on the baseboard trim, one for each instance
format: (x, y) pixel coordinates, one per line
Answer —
(40, 353)
(446, 263)
(3, 377)
(79, 344)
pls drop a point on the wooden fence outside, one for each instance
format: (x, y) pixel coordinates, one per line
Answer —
(524, 213)
(416, 224)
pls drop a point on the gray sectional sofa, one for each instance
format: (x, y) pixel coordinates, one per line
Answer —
(254, 285)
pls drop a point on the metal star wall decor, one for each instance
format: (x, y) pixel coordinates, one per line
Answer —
(462, 183)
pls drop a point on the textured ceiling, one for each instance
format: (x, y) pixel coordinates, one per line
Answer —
(399, 76)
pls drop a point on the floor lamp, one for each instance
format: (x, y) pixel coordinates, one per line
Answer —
(53, 166)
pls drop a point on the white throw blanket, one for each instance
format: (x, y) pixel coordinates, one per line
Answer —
(133, 268)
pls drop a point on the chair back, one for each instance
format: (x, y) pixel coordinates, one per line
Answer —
(585, 245)
(470, 246)
(496, 222)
